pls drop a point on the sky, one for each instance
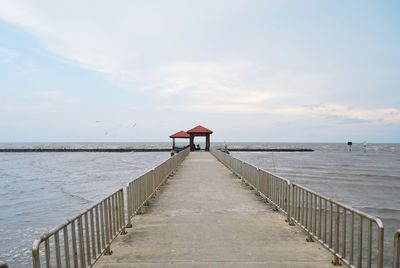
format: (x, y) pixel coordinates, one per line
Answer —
(266, 71)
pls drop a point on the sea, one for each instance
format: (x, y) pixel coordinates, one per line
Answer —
(39, 191)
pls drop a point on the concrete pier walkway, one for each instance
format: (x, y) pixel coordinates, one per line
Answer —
(204, 216)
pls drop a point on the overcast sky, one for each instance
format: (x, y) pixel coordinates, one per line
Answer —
(300, 71)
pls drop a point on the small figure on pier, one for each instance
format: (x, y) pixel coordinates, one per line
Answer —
(198, 147)
(226, 149)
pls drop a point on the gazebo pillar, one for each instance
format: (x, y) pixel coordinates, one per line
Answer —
(207, 142)
(173, 143)
(192, 142)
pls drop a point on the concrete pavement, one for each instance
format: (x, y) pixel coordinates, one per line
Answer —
(205, 216)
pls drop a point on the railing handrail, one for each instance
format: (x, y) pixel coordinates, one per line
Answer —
(366, 215)
(280, 177)
(376, 219)
(84, 230)
(285, 196)
(70, 220)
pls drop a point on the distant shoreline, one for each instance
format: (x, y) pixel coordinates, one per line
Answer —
(127, 150)
(270, 150)
(101, 150)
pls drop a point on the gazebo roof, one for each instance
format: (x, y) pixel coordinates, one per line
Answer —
(199, 130)
(180, 135)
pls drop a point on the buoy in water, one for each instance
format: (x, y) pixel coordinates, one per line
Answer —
(349, 144)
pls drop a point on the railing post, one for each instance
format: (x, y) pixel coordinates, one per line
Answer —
(292, 209)
(122, 212)
(35, 253)
(129, 201)
(81, 243)
(336, 260)
(154, 182)
(288, 203)
(396, 249)
(381, 238)
(257, 184)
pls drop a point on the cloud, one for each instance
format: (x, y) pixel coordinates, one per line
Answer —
(214, 87)
(349, 113)
(7, 55)
(118, 39)
(197, 57)
(190, 54)
(26, 108)
(49, 94)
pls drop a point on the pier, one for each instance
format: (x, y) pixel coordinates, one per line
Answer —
(204, 216)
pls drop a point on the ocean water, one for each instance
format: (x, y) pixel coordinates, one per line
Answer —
(39, 191)
(368, 181)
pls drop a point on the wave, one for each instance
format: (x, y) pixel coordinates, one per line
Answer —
(390, 210)
(74, 195)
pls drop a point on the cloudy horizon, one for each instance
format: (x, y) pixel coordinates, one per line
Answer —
(287, 71)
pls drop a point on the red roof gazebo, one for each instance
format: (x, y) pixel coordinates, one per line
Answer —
(199, 131)
(178, 135)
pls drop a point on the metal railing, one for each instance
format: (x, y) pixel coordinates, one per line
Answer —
(352, 236)
(272, 187)
(140, 190)
(83, 239)
(396, 249)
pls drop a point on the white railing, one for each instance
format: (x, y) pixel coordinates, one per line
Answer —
(352, 236)
(83, 239)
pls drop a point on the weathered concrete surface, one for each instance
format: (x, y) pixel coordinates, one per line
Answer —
(206, 217)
